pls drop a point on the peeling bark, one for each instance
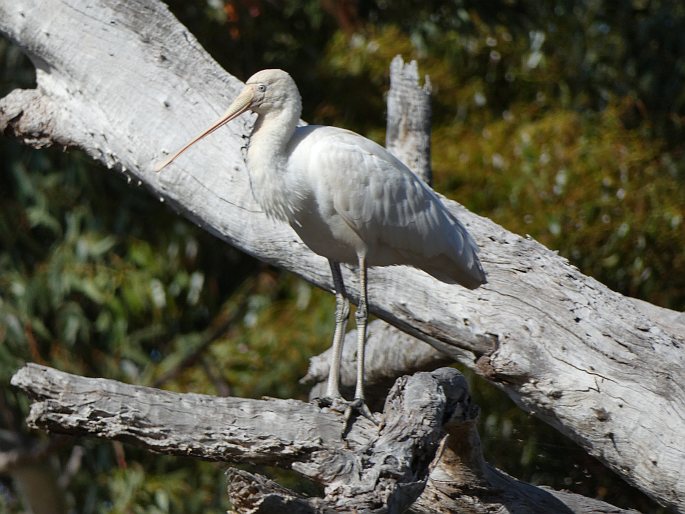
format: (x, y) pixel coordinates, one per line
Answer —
(371, 468)
(427, 445)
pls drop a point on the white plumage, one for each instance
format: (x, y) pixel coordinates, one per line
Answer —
(348, 199)
(354, 197)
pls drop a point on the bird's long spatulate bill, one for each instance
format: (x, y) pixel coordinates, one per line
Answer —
(239, 106)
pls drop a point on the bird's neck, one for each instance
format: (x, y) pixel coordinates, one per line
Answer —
(273, 130)
(267, 161)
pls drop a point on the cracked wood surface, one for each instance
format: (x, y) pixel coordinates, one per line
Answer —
(604, 369)
(370, 468)
(427, 446)
(408, 134)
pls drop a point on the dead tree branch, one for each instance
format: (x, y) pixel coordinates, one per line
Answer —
(427, 446)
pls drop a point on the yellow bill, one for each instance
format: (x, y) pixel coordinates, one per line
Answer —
(241, 104)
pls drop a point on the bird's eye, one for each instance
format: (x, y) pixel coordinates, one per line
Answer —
(261, 88)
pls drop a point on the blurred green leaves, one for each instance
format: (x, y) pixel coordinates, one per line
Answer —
(79, 274)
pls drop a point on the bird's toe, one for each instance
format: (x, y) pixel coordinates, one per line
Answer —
(349, 409)
(359, 407)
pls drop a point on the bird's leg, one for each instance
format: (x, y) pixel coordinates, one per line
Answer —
(333, 397)
(361, 317)
(342, 313)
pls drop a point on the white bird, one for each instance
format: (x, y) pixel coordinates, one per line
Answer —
(349, 200)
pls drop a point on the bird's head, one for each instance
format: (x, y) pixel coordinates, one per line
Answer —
(271, 90)
(265, 92)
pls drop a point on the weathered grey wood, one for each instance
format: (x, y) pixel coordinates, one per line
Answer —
(254, 494)
(202, 426)
(371, 468)
(408, 134)
(428, 439)
(462, 481)
(392, 353)
(127, 83)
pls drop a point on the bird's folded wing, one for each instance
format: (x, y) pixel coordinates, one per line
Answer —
(381, 199)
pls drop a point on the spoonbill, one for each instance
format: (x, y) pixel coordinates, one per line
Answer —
(349, 200)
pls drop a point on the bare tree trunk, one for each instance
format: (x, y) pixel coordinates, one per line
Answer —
(409, 118)
(427, 440)
(604, 369)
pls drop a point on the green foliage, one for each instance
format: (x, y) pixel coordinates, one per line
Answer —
(82, 272)
(603, 195)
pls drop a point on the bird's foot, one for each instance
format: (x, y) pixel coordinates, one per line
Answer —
(349, 409)
(359, 407)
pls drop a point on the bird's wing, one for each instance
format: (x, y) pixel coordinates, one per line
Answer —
(380, 198)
